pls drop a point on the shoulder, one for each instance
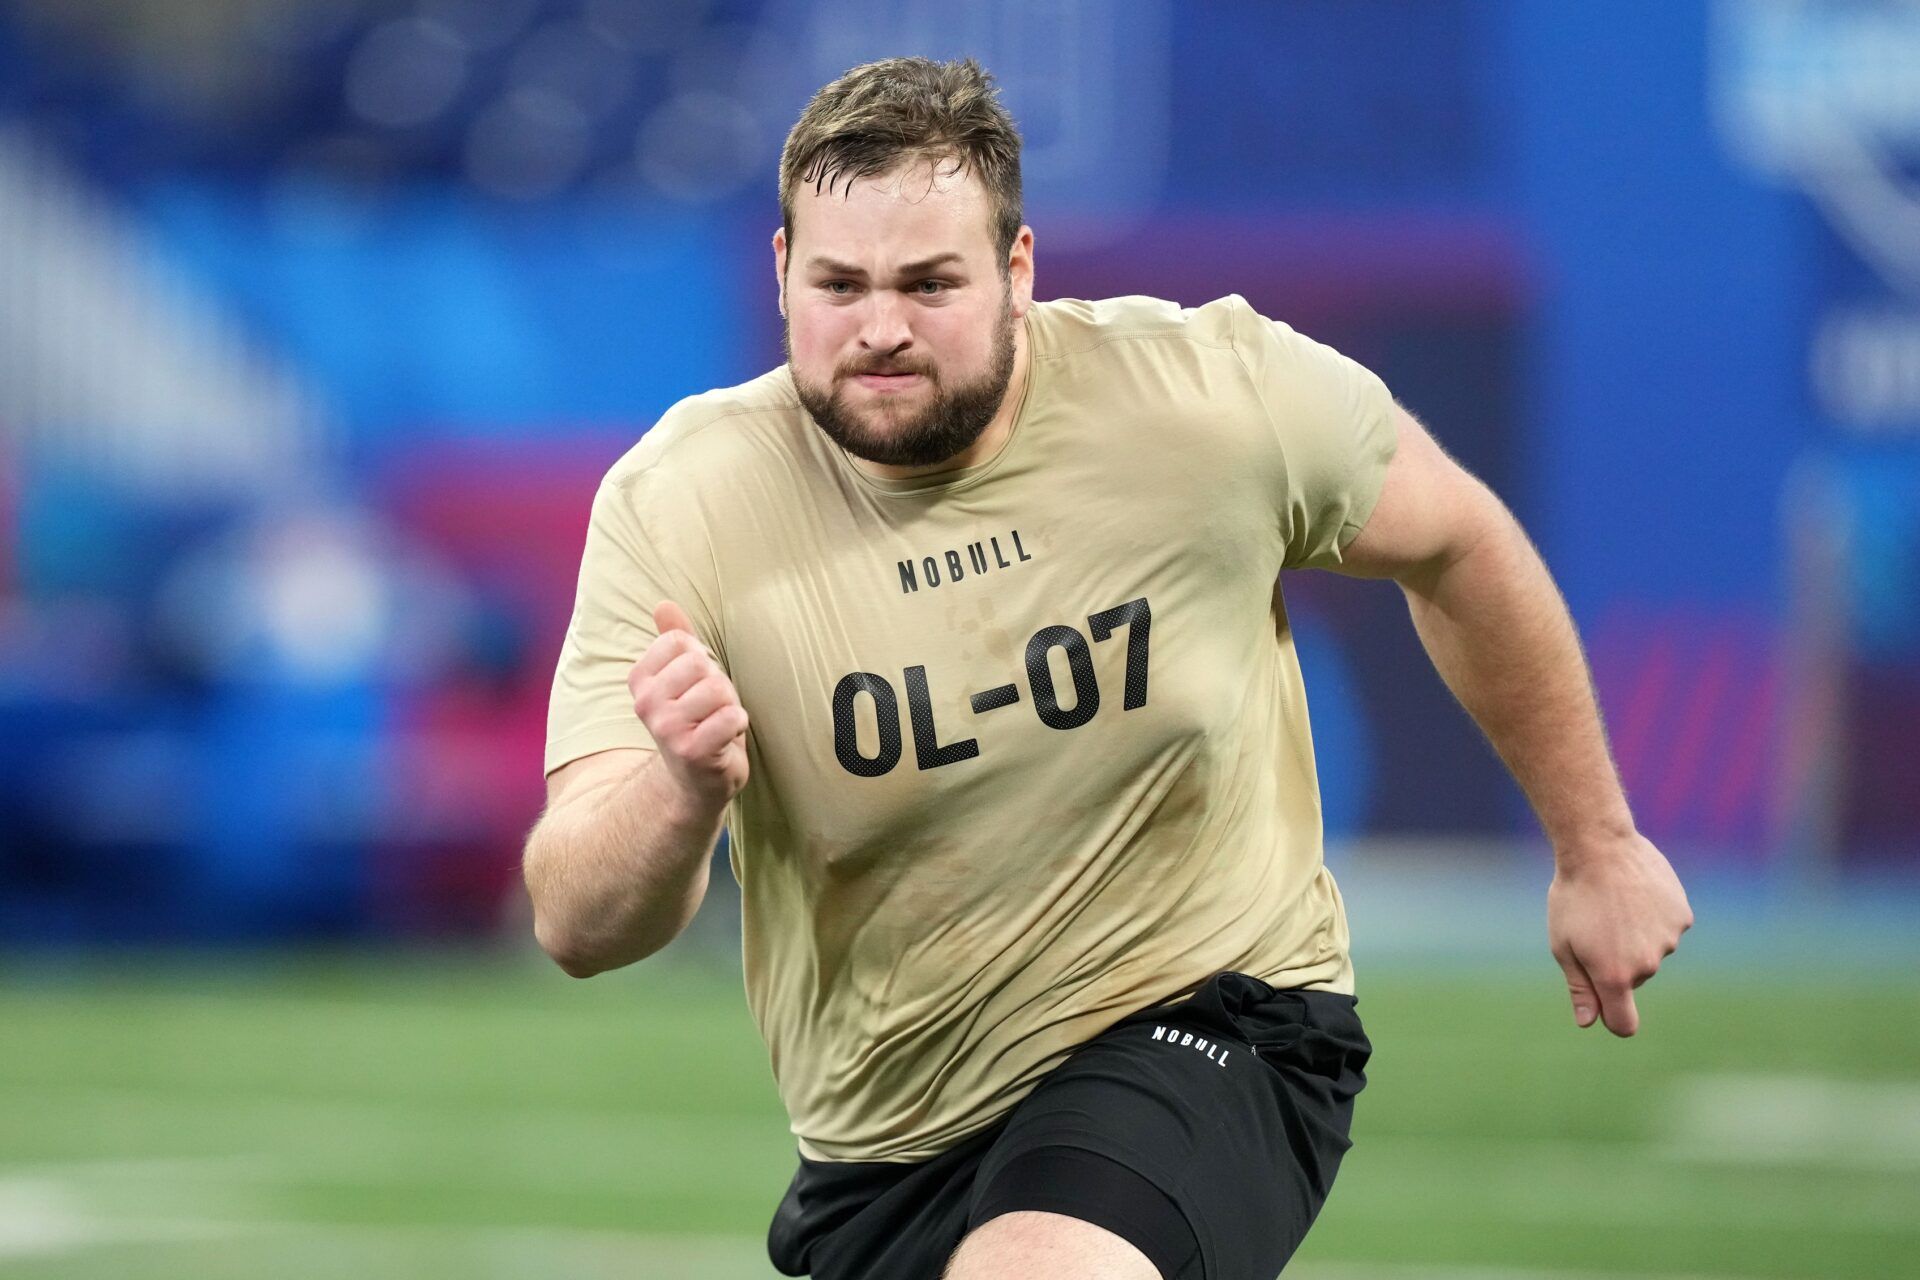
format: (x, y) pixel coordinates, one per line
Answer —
(713, 433)
(1068, 326)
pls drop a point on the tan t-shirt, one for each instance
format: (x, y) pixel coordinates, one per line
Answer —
(1029, 744)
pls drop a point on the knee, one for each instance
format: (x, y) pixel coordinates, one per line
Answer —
(1025, 1243)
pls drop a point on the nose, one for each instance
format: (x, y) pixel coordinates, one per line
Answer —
(883, 326)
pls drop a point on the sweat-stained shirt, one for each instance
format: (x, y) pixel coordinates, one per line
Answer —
(1029, 746)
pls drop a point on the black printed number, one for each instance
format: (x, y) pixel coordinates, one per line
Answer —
(1137, 618)
(930, 753)
(1086, 691)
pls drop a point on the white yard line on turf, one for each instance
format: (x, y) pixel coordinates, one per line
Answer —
(43, 1218)
(1642, 1183)
(46, 1216)
(553, 1150)
(1873, 1126)
(56, 1209)
(594, 1253)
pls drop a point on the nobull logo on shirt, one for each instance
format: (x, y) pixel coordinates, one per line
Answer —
(1188, 1040)
(954, 564)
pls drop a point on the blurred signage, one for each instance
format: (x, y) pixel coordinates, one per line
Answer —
(1825, 95)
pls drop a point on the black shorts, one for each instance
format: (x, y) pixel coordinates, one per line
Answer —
(1205, 1132)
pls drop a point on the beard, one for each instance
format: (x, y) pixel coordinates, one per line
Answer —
(890, 434)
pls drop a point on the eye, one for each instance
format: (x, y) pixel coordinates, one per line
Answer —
(937, 287)
(838, 288)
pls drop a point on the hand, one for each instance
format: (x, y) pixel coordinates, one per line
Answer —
(1614, 912)
(691, 709)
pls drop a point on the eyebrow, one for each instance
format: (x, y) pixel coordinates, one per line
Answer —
(906, 269)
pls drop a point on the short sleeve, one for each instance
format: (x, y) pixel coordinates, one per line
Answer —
(625, 572)
(1333, 421)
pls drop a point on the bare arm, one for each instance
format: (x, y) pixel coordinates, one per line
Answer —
(1499, 634)
(617, 865)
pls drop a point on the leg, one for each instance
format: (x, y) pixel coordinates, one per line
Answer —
(1021, 1245)
(1061, 1212)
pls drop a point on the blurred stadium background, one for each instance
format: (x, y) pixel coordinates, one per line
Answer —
(319, 318)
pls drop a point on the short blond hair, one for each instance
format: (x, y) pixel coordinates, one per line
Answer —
(883, 113)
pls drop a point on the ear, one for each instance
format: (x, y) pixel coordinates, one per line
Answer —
(780, 267)
(1020, 272)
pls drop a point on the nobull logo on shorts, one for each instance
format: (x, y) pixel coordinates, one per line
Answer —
(1188, 1040)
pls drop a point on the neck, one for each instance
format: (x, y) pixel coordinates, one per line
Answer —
(989, 441)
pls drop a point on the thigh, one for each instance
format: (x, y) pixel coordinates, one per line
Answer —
(1024, 1244)
(1234, 1105)
(1048, 1183)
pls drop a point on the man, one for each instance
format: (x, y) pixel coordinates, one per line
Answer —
(1036, 924)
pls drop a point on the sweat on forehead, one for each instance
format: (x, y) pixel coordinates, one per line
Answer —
(942, 172)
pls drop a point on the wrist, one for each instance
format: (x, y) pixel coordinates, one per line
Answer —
(686, 803)
(1594, 845)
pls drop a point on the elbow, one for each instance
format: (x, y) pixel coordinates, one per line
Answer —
(563, 942)
(574, 960)
(587, 933)
(578, 968)
(581, 957)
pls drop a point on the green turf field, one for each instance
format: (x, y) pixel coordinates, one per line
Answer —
(434, 1116)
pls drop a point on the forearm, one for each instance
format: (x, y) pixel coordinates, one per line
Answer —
(617, 872)
(1500, 636)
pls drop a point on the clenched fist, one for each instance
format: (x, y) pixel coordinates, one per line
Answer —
(1613, 914)
(691, 709)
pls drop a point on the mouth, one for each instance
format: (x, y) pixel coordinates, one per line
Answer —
(887, 381)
